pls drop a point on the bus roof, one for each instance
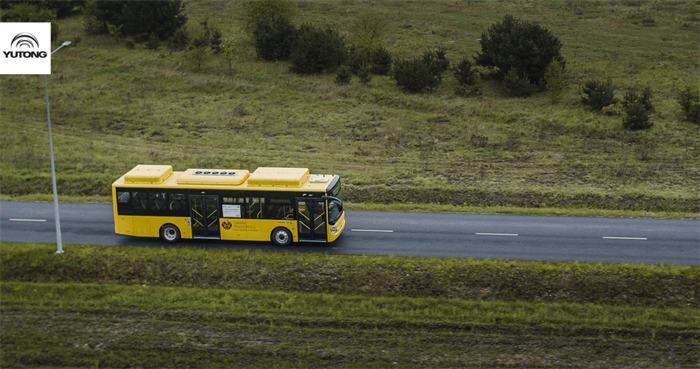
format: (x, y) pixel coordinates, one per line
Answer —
(264, 178)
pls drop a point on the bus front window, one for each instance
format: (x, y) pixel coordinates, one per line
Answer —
(335, 210)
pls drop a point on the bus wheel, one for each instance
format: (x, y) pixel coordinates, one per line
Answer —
(281, 236)
(169, 233)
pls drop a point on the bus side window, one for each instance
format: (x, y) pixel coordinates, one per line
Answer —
(176, 202)
(256, 205)
(280, 209)
(124, 202)
(156, 200)
(139, 200)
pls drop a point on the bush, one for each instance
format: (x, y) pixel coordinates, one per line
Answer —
(364, 75)
(554, 80)
(60, 9)
(637, 108)
(256, 12)
(518, 86)
(381, 61)
(179, 40)
(27, 12)
(138, 18)
(344, 76)
(129, 43)
(153, 42)
(274, 38)
(599, 94)
(317, 50)
(523, 46)
(413, 75)
(464, 72)
(689, 100)
(437, 62)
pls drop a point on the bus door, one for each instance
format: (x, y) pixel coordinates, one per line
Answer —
(311, 220)
(204, 212)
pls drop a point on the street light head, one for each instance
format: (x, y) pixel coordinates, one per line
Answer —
(66, 43)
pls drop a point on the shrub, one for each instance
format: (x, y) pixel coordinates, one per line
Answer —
(637, 108)
(256, 12)
(554, 80)
(518, 86)
(364, 75)
(366, 30)
(317, 50)
(437, 62)
(139, 18)
(355, 59)
(344, 76)
(274, 38)
(689, 100)
(464, 72)
(381, 61)
(27, 12)
(523, 46)
(636, 117)
(413, 75)
(598, 94)
(129, 43)
(179, 40)
(153, 42)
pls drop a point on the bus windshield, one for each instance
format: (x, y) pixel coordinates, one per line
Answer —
(335, 210)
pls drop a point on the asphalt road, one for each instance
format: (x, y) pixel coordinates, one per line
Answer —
(512, 237)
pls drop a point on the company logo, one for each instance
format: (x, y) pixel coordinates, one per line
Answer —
(25, 40)
(25, 48)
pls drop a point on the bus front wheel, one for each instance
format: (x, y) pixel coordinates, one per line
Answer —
(281, 236)
(169, 233)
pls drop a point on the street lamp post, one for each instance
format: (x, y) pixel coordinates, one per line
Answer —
(59, 243)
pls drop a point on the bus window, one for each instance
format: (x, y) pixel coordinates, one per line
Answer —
(256, 205)
(156, 201)
(124, 202)
(139, 200)
(176, 202)
(280, 209)
(335, 210)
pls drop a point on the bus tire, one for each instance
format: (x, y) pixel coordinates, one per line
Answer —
(169, 233)
(281, 236)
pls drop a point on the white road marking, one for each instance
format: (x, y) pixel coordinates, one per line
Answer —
(27, 220)
(373, 230)
(626, 238)
(498, 234)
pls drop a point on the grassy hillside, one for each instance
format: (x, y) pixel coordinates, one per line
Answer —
(113, 108)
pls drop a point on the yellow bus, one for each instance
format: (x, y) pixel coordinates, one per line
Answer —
(282, 205)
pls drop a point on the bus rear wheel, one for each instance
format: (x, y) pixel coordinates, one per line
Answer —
(281, 236)
(169, 233)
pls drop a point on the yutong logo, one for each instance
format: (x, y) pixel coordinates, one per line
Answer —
(25, 40)
(25, 48)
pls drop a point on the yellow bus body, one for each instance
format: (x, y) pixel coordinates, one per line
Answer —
(239, 205)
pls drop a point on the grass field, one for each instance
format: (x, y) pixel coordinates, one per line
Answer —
(113, 108)
(157, 307)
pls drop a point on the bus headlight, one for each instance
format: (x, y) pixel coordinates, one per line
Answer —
(334, 230)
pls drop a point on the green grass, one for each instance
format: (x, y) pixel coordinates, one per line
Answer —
(610, 284)
(88, 325)
(183, 307)
(113, 108)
